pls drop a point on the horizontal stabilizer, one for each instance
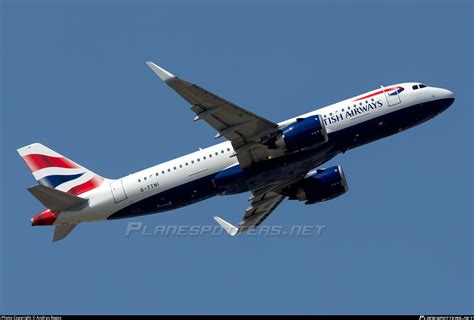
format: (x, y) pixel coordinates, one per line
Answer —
(232, 230)
(62, 230)
(54, 199)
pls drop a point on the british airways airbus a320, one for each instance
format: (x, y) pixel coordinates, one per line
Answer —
(271, 160)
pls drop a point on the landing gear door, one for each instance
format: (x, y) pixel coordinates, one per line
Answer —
(118, 192)
(392, 95)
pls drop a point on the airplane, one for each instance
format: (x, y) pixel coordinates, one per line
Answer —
(273, 161)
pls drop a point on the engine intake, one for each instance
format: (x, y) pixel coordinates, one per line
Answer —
(304, 133)
(321, 186)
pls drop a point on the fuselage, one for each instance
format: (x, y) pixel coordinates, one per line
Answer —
(215, 170)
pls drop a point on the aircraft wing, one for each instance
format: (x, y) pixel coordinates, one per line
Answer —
(260, 208)
(262, 203)
(243, 128)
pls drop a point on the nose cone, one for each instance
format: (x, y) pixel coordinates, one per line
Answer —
(446, 94)
(443, 99)
(448, 97)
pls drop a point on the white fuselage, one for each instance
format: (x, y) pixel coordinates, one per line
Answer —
(115, 195)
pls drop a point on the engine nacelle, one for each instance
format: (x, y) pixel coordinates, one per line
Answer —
(321, 186)
(304, 133)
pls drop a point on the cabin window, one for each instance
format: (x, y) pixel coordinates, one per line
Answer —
(192, 161)
(186, 163)
(139, 180)
(144, 178)
(174, 168)
(210, 155)
(157, 174)
(228, 149)
(169, 170)
(180, 165)
(217, 153)
(222, 151)
(163, 172)
(204, 158)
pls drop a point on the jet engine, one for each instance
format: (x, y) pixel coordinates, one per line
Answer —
(320, 185)
(304, 133)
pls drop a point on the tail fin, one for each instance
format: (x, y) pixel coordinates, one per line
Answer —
(56, 171)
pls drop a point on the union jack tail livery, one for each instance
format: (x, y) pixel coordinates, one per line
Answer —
(60, 182)
(58, 172)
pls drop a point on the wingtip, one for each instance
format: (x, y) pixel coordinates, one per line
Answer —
(160, 72)
(229, 228)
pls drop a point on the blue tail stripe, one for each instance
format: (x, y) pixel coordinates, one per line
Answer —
(54, 181)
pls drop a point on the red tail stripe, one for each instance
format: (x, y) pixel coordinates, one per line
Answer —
(40, 161)
(86, 186)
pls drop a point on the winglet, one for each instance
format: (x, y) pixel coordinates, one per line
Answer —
(232, 230)
(162, 73)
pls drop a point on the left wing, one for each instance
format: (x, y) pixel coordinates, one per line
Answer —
(260, 208)
(243, 128)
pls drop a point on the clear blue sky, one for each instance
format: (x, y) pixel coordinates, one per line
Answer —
(73, 77)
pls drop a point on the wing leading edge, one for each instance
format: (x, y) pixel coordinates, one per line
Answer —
(243, 128)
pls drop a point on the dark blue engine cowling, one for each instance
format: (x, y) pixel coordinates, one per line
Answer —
(304, 133)
(324, 184)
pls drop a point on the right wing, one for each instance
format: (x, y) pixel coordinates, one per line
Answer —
(243, 128)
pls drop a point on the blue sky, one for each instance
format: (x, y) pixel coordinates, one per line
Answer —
(73, 77)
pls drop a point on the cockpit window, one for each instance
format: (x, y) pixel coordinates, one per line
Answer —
(415, 87)
(422, 85)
